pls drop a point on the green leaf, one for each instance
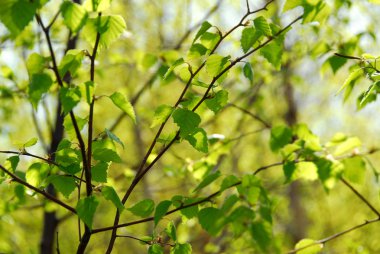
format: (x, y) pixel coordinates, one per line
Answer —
(218, 101)
(106, 155)
(36, 64)
(36, 174)
(229, 203)
(161, 114)
(248, 72)
(71, 62)
(16, 14)
(171, 231)
(290, 4)
(176, 63)
(367, 95)
(348, 145)
(318, 11)
(199, 140)
(279, 137)
(39, 84)
(289, 169)
(228, 181)
(155, 249)
(161, 210)
(313, 249)
(209, 40)
(11, 163)
(215, 64)
(261, 24)
(273, 53)
(99, 172)
(109, 27)
(336, 63)
(262, 234)
(87, 89)
(67, 156)
(143, 208)
(350, 81)
(122, 103)
(307, 170)
(69, 97)
(192, 211)
(187, 121)
(207, 180)
(205, 26)
(110, 194)
(196, 50)
(354, 169)
(97, 5)
(114, 137)
(86, 208)
(181, 248)
(248, 38)
(211, 219)
(30, 142)
(74, 16)
(63, 184)
(69, 128)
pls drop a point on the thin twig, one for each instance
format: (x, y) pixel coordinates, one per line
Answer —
(266, 124)
(348, 57)
(30, 155)
(45, 194)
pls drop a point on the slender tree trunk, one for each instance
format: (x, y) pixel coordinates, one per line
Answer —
(298, 223)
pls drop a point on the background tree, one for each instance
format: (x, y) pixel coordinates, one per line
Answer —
(180, 126)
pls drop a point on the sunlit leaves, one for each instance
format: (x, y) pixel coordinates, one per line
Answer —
(86, 208)
(71, 62)
(215, 64)
(181, 248)
(171, 231)
(261, 232)
(74, 15)
(262, 25)
(273, 52)
(248, 38)
(122, 103)
(217, 101)
(144, 208)
(313, 10)
(311, 246)
(198, 140)
(207, 180)
(280, 136)
(104, 150)
(248, 72)
(30, 142)
(354, 169)
(110, 194)
(211, 219)
(161, 114)
(209, 40)
(176, 63)
(64, 184)
(36, 64)
(11, 163)
(186, 120)
(113, 137)
(16, 14)
(87, 91)
(161, 210)
(99, 172)
(155, 249)
(36, 173)
(69, 97)
(39, 85)
(205, 26)
(97, 5)
(109, 28)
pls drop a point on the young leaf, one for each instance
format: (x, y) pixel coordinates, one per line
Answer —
(290, 4)
(161, 114)
(228, 181)
(143, 208)
(261, 24)
(249, 36)
(348, 145)
(218, 101)
(39, 84)
(273, 53)
(176, 63)
(110, 194)
(109, 27)
(87, 90)
(63, 184)
(171, 231)
(247, 71)
(207, 180)
(114, 137)
(211, 219)
(262, 234)
(121, 102)
(198, 140)
(161, 210)
(280, 136)
(97, 5)
(11, 163)
(74, 16)
(196, 50)
(181, 248)
(71, 62)
(155, 249)
(30, 142)
(69, 97)
(354, 169)
(16, 14)
(205, 26)
(186, 120)
(86, 208)
(192, 211)
(36, 64)
(215, 64)
(106, 155)
(99, 172)
(313, 249)
(209, 40)
(36, 173)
